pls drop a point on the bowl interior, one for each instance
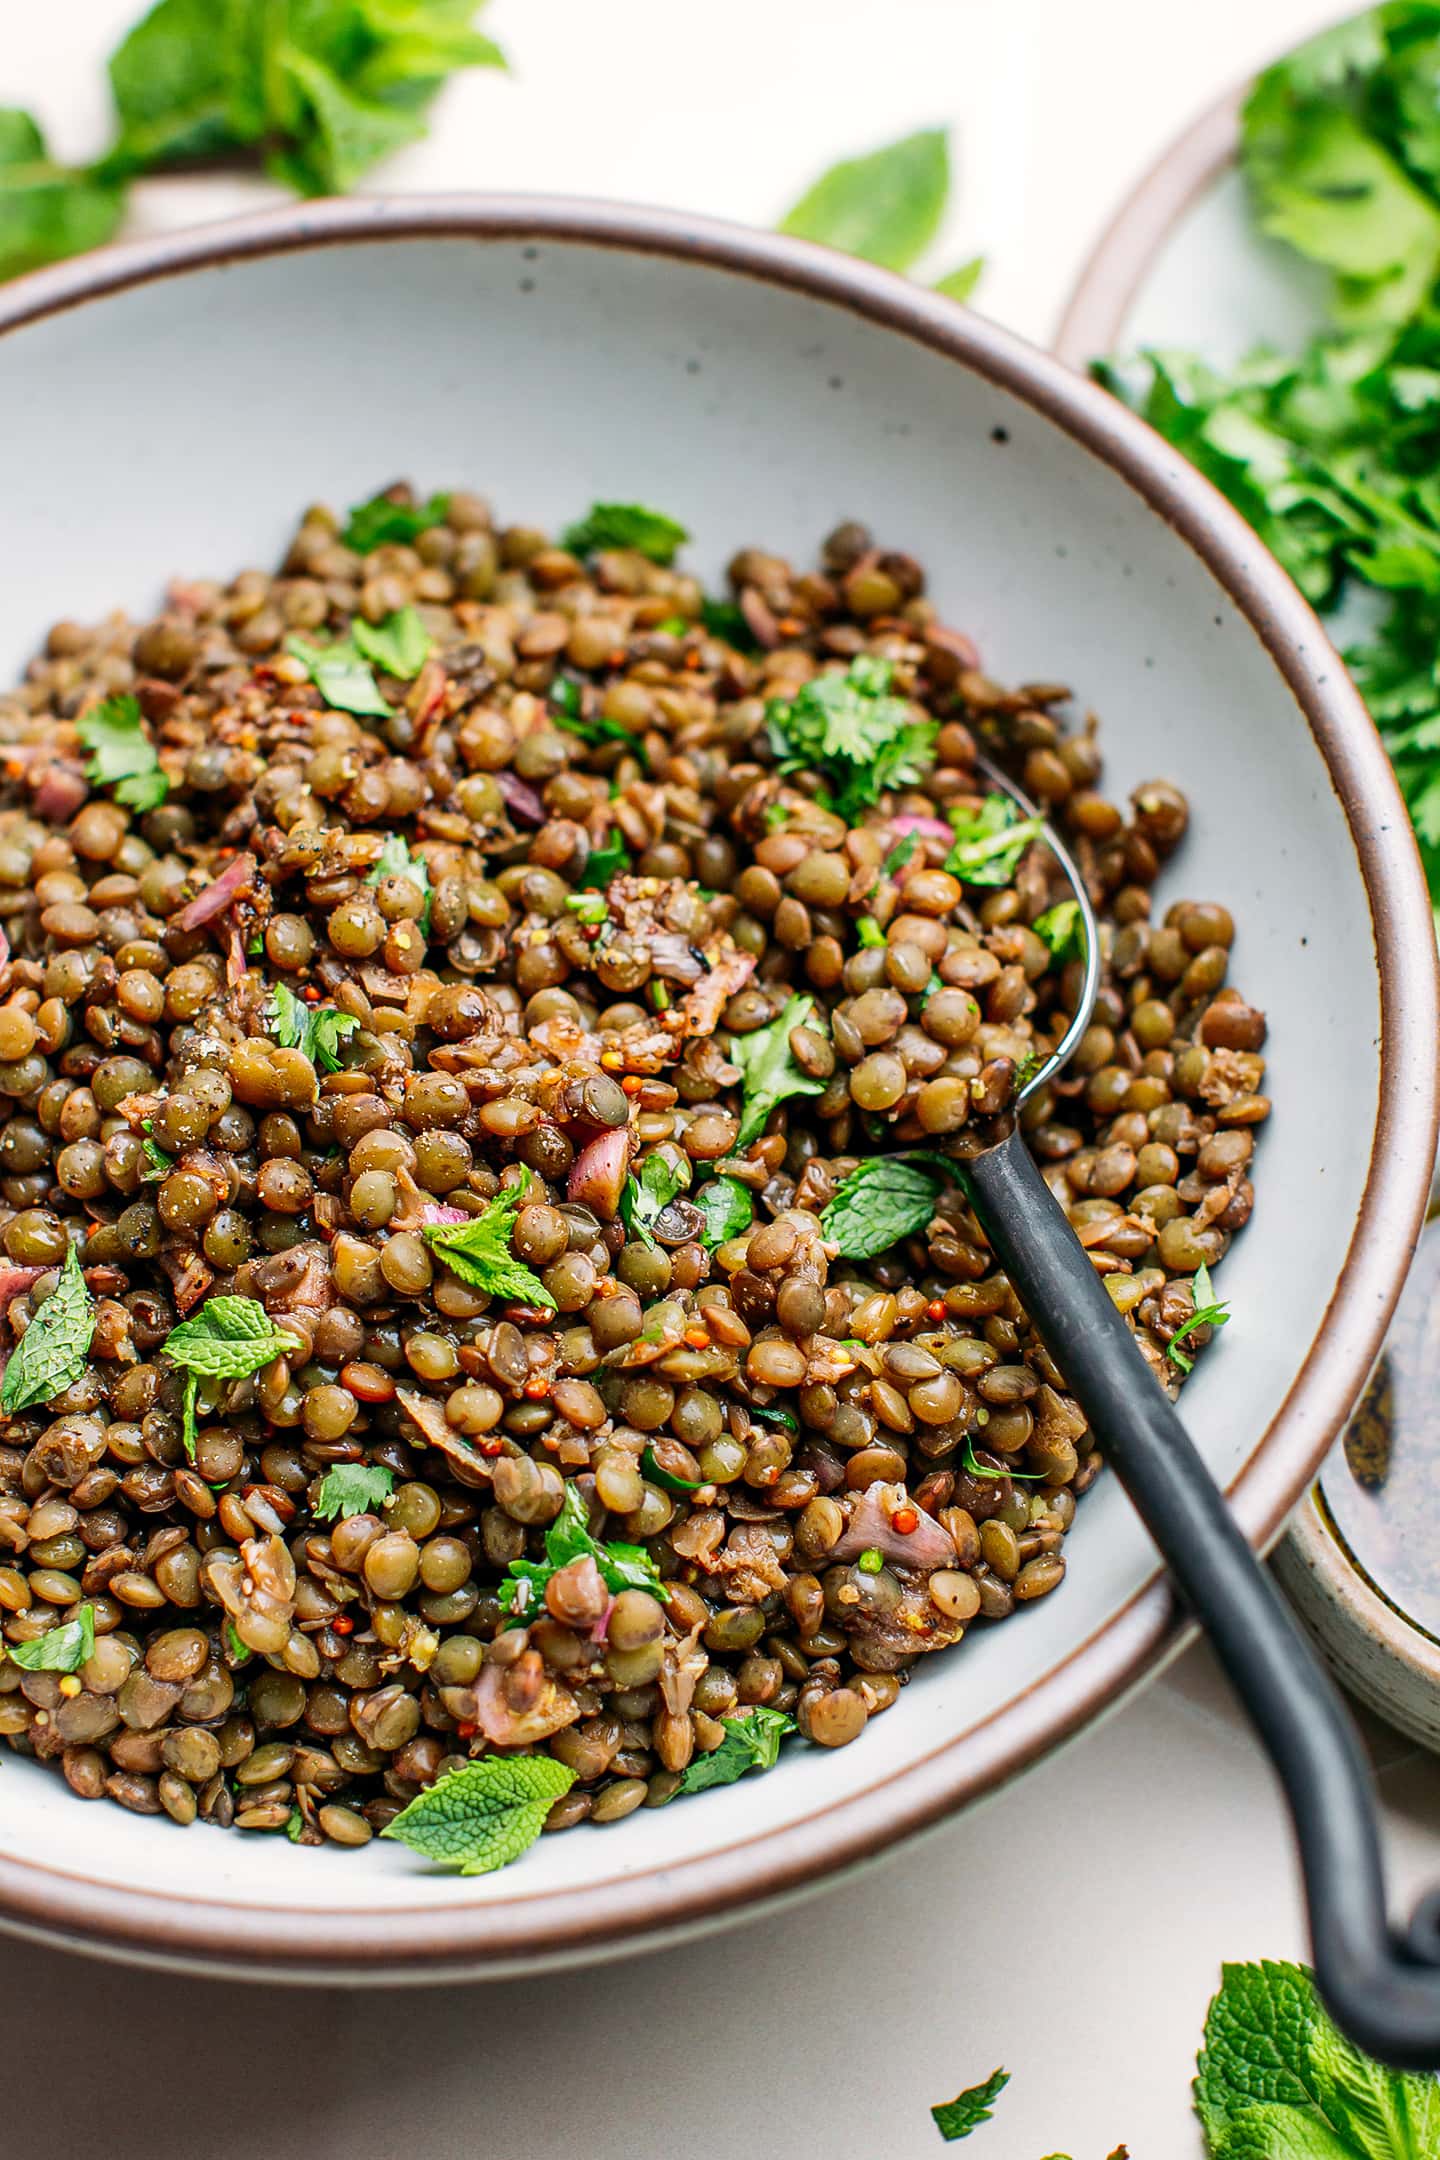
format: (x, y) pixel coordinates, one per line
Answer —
(179, 426)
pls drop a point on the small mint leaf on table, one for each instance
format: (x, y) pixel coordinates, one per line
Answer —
(752, 1742)
(885, 207)
(485, 1815)
(52, 1353)
(60, 1649)
(960, 283)
(958, 2117)
(1257, 2037)
(47, 211)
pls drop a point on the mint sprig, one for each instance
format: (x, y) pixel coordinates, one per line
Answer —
(478, 1251)
(52, 1353)
(622, 1567)
(228, 1338)
(485, 1815)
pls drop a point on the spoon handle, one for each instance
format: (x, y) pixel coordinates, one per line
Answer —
(1382, 1989)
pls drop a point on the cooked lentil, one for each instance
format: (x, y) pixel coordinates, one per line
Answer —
(256, 1664)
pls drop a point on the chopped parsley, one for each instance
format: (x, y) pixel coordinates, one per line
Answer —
(122, 754)
(318, 1030)
(848, 729)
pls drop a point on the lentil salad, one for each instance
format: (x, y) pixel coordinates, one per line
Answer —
(482, 1030)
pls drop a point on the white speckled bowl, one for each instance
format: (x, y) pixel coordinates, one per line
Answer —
(167, 407)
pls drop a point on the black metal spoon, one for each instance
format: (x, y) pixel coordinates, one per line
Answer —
(1381, 1986)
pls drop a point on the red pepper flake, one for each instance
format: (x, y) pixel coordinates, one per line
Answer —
(536, 1390)
(935, 1310)
(310, 994)
(342, 1624)
(905, 1519)
(467, 1729)
(632, 1083)
(618, 657)
(698, 1337)
(490, 1448)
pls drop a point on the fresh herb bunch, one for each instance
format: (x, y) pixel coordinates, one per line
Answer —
(1333, 452)
(314, 90)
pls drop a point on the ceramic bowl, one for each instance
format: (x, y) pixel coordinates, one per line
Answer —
(167, 407)
(1182, 264)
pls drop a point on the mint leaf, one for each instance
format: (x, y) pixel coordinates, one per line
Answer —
(752, 1742)
(885, 207)
(1280, 2133)
(122, 754)
(382, 522)
(884, 1199)
(47, 211)
(1257, 2041)
(400, 644)
(960, 283)
(769, 1073)
(1063, 929)
(645, 1198)
(958, 2117)
(61, 1649)
(1209, 1312)
(341, 675)
(726, 1209)
(990, 841)
(1380, 2114)
(52, 1353)
(847, 728)
(318, 1030)
(478, 1251)
(396, 860)
(626, 525)
(483, 1816)
(228, 1338)
(655, 1470)
(623, 1567)
(353, 1489)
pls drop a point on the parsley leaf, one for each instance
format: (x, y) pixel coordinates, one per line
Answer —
(485, 1815)
(47, 210)
(626, 525)
(958, 2117)
(341, 675)
(603, 863)
(846, 727)
(769, 1073)
(51, 1355)
(353, 1489)
(623, 1567)
(886, 207)
(645, 1197)
(752, 1742)
(400, 644)
(60, 1649)
(396, 860)
(121, 752)
(228, 1338)
(383, 522)
(1209, 1312)
(318, 1030)
(884, 1199)
(478, 1251)
(990, 841)
(726, 1209)
(566, 699)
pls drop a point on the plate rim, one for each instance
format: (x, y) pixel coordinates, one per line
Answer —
(529, 1930)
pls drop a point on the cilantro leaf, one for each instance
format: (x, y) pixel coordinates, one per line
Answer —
(478, 1251)
(846, 727)
(990, 841)
(383, 522)
(884, 1199)
(958, 2117)
(485, 1815)
(885, 207)
(352, 1489)
(341, 675)
(51, 1355)
(318, 1030)
(726, 1209)
(122, 753)
(604, 863)
(1209, 1312)
(60, 1649)
(769, 1073)
(400, 644)
(396, 860)
(47, 211)
(626, 525)
(623, 1567)
(645, 1197)
(752, 1742)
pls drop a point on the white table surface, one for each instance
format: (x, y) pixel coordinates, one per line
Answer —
(1074, 1929)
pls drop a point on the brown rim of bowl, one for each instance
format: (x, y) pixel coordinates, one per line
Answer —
(1094, 317)
(1348, 1617)
(532, 1929)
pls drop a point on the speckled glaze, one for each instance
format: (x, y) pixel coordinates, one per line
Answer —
(1182, 264)
(166, 407)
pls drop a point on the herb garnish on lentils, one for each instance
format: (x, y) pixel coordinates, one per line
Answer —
(483, 1289)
